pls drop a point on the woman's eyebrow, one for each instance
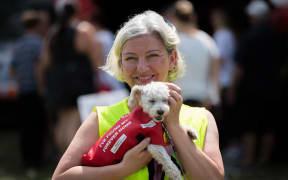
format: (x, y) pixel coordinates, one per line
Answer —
(129, 53)
(153, 50)
(150, 51)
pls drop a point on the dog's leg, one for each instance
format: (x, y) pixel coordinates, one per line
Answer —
(160, 155)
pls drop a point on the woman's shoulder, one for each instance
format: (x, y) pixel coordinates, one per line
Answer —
(187, 108)
(119, 107)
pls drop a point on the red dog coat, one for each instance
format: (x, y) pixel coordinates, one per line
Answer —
(125, 134)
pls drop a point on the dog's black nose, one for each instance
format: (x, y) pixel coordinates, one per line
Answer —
(160, 112)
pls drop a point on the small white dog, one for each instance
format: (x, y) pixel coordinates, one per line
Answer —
(153, 98)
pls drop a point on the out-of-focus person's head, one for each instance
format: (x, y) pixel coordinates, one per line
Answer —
(35, 19)
(219, 18)
(31, 18)
(66, 7)
(279, 17)
(184, 10)
(279, 3)
(181, 11)
(257, 10)
(146, 23)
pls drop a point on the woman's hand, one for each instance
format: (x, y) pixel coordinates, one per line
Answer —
(137, 157)
(175, 101)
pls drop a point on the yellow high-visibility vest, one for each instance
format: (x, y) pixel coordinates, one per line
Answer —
(189, 116)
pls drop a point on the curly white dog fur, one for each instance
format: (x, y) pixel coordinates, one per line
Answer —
(153, 98)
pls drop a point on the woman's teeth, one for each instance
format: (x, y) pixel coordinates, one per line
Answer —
(144, 79)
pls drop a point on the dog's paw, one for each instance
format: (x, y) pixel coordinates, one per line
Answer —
(172, 171)
(192, 133)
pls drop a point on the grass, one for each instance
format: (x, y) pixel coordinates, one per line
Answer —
(272, 172)
(10, 160)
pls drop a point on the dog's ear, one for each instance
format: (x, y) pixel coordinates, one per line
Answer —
(134, 98)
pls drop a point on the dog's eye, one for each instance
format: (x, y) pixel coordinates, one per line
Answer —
(152, 101)
(165, 100)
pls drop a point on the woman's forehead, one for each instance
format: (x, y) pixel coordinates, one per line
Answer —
(149, 42)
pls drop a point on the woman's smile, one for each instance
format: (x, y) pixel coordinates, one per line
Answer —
(144, 79)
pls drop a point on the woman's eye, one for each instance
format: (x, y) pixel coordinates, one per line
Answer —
(130, 58)
(153, 55)
(165, 100)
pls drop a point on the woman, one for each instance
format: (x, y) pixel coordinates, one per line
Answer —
(70, 60)
(145, 50)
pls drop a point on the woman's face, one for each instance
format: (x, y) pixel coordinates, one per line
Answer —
(145, 59)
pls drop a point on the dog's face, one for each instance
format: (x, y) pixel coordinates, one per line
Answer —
(154, 100)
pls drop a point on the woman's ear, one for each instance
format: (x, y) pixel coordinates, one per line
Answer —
(173, 56)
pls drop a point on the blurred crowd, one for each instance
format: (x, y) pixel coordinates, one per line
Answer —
(241, 76)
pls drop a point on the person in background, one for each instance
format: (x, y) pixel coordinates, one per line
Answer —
(146, 49)
(106, 37)
(71, 57)
(279, 15)
(225, 39)
(24, 65)
(279, 21)
(200, 83)
(259, 58)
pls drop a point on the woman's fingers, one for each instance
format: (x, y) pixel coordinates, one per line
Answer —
(138, 156)
(142, 145)
(175, 94)
(138, 150)
(174, 87)
(175, 102)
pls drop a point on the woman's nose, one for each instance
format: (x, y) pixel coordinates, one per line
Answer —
(142, 65)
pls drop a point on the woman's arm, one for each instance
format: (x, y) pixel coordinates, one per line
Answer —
(69, 167)
(198, 164)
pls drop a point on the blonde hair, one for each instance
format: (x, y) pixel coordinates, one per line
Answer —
(147, 22)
